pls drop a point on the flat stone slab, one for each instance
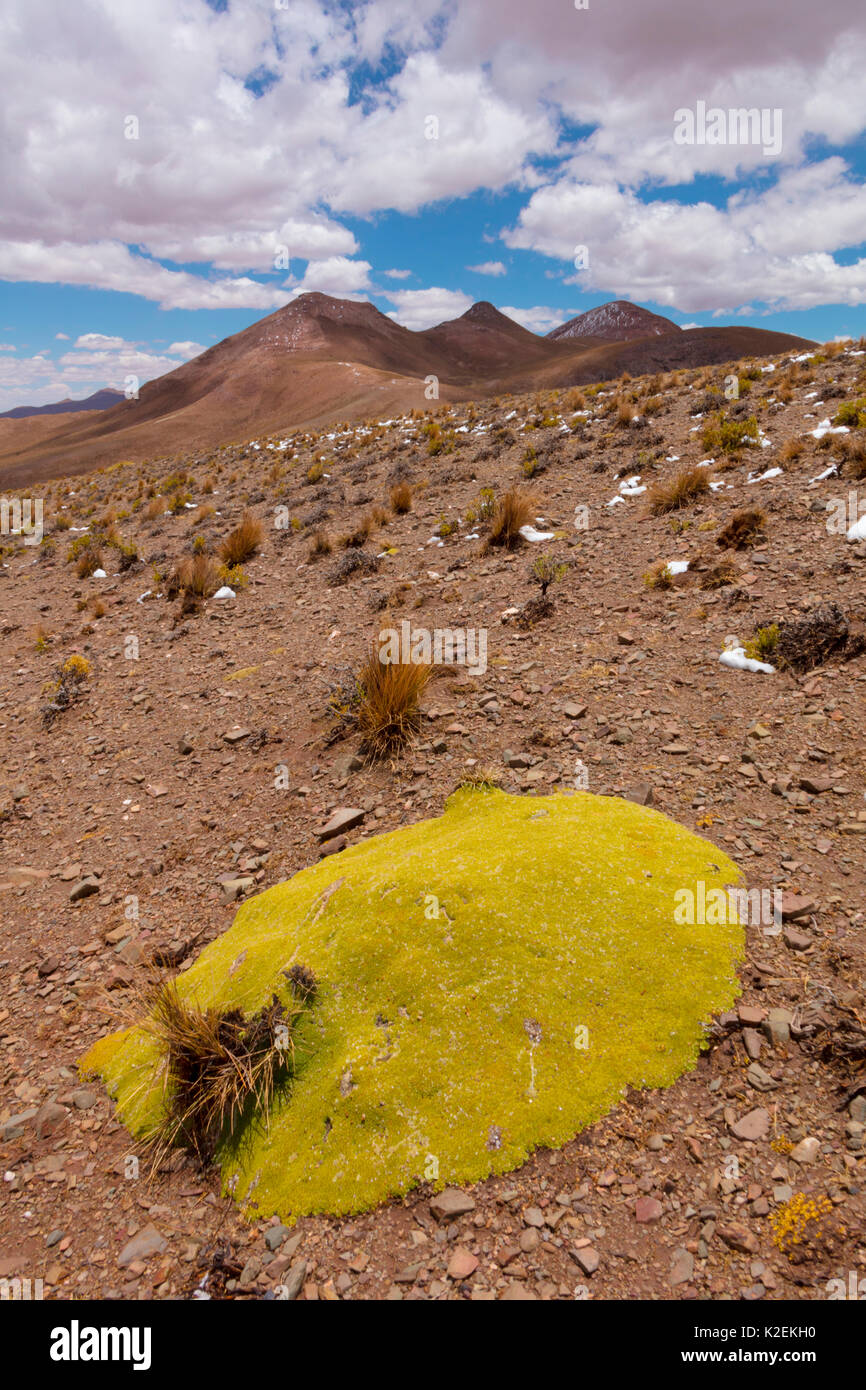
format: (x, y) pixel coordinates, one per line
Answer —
(344, 818)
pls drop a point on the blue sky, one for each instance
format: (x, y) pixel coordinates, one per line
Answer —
(424, 155)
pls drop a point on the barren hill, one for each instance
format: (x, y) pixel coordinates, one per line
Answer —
(319, 360)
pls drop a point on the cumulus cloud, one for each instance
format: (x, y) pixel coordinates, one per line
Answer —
(537, 320)
(398, 274)
(488, 268)
(337, 275)
(234, 140)
(418, 309)
(769, 246)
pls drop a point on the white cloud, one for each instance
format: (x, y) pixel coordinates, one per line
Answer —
(488, 268)
(110, 265)
(767, 246)
(537, 320)
(99, 340)
(337, 275)
(185, 350)
(418, 309)
(223, 177)
(8, 347)
(63, 336)
(398, 274)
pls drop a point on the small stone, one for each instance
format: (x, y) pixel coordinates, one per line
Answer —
(147, 1242)
(796, 940)
(54, 1237)
(275, 1236)
(806, 1151)
(533, 1216)
(682, 1266)
(450, 1203)
(647, 1209)
(795, 905)
(588, 1259)
(235, 735)
(753, 1126)
(641, 794)
(777, 1027)
(752, 1043)
(85, 889)
(291, 1287)
(344, 818)
(462, 1264)
(573, 711)
(738, 1238)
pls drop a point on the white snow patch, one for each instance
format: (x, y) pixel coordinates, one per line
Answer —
(736, 658)
(826, 428)
(225, 592)
(857, 532)
(529, 533)
(770, 473)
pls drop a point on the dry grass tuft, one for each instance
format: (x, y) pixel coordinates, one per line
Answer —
(745, 528)
(513, 510)
(388, 711)
(689, 484)
(219, 1068)
(195, 578)
(401, 499)
(719, 575)
(243, 542)
(319, 545)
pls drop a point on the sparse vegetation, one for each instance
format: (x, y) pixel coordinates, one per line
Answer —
(687, 485)
(745, 528)
(243, 542)
(388, 711)
(513, 510)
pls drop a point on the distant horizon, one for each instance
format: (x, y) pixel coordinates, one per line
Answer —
(356, 299)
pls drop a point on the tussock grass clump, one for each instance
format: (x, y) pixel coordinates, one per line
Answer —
(792, 449)
(243, 542)
(512, 510)
(88, 562)
(219, 1068)
(319, 545)
(722, 573)
(744, 529)
(689, 484)
(388, 712)
(852, 414)
(763, 643)
(155, 508)
(726, 436)
(659, 576)
(401, 499)
(854, 455)
(195, 578)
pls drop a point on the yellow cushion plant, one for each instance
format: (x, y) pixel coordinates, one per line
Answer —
(488, 982)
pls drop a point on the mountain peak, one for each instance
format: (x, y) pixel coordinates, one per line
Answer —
(616, 321)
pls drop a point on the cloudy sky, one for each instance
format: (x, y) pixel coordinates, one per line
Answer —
(174, 169)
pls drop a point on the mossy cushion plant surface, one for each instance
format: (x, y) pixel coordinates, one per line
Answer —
(488, 981)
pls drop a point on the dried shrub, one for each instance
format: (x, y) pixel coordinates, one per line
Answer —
(388, 711)
(689, 484)
(243, 542)
(744, 529)
(513, 510)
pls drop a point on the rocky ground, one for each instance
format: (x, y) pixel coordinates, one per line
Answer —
(196, 763)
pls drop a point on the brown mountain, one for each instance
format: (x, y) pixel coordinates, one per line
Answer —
(100, 400)
(615, 322)
(321, 359)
